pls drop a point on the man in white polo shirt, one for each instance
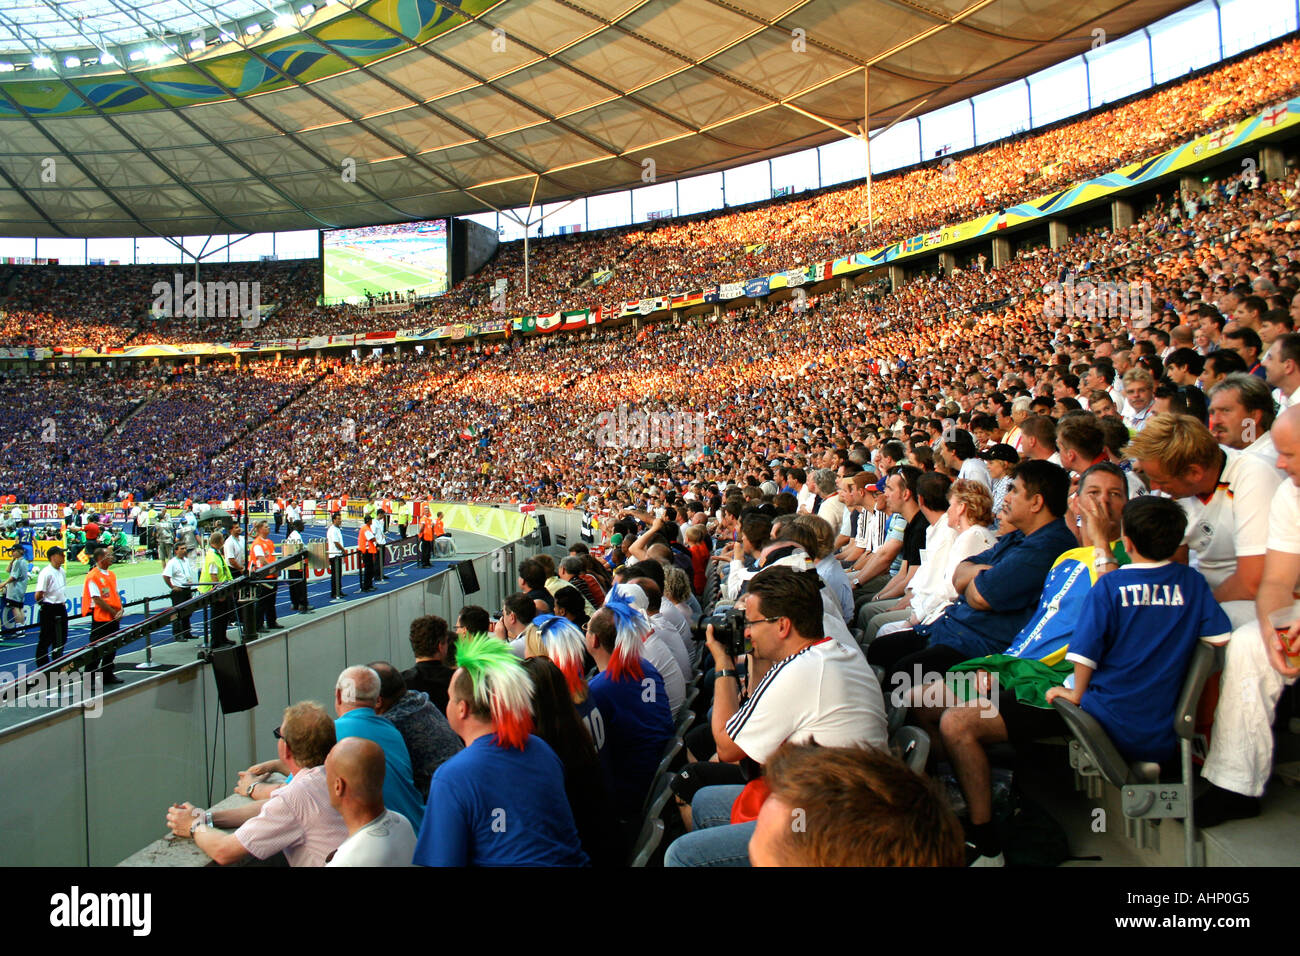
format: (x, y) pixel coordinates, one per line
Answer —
(804, 686)
(52, 598)
(1225, 493)
(1256, 670)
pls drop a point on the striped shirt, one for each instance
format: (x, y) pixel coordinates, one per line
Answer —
(299, 820)
(824, 691)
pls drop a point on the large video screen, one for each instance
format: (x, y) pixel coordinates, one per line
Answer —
(374, 260)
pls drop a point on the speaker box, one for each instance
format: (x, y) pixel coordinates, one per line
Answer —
(468, 577)
(234, 678)
(546, 536)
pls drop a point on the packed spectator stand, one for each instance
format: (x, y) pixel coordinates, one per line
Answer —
(866, 410)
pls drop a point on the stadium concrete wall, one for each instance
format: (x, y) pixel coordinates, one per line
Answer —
(91, 785)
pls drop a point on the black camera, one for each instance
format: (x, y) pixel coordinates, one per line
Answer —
(729, 630)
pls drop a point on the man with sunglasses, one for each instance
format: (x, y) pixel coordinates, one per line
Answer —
(806, 687)
(297, 819)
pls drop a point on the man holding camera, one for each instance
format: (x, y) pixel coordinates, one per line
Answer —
(806, 686)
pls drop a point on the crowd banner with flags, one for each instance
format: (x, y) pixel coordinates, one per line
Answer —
(1194, 151)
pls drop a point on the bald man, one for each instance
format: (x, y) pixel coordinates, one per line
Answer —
(354, 774)
(1256, 670)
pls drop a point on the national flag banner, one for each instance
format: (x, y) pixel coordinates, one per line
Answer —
(469, 433)
(1273, 115)
(1002, 220)
(601, 276)
(525, 324)
(759, 247)
(548, 323)
(914, 244)
(710, 293)
(1220, 139)
(381, 336)
(577, 319)
(822, 270)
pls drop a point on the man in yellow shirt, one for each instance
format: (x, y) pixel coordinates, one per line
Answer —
(214, 572)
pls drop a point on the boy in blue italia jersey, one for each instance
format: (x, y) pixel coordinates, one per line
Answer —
(1136, 631)
(1129, 649)
(501, 801)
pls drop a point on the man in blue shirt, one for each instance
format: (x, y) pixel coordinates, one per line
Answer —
(355, 695)
(501, 801)
(998, 589)
(634, 707)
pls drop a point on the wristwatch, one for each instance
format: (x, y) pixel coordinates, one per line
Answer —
(1102, 559)
(251, 787)
(730, 672)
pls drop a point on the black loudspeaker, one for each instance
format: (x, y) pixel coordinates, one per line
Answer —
(234, 679)
(546, 535)
(468, 577)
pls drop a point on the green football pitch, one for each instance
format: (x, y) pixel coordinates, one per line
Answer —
(350, 272)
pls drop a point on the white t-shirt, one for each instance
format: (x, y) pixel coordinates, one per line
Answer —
(1263, 448)
(1234, 524)
(234, 550)
(672, 638)
(657, 653)
(387, 840)
(52, 583)
(179, 571)
(976, 470)
(832, 510)
(1283, 519)
(824, 692)
(334, 537)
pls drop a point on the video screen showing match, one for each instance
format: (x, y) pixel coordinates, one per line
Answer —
(369, 262)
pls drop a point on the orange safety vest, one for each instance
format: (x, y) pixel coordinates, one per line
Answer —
(438, 529)
(334, 505)
(387, 506)
(366, 540)
(261, 552)
(280, 504)
(106, 581)
(343, 502)
(426, 527)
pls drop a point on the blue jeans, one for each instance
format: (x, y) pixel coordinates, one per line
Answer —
(715, 841)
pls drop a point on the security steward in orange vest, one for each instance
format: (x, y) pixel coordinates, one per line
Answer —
(426, 536)
(369, 555)
(99, 599)
(279, 513)
(261, 552)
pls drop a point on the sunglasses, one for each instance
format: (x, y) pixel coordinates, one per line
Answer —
(276, 733)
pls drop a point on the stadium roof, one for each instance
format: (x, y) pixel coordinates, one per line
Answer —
(157, 117)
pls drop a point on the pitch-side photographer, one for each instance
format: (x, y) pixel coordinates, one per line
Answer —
(805, 687)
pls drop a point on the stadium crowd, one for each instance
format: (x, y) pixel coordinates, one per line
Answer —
(914, 484)
(67, 306)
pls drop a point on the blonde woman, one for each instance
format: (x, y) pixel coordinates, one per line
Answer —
(970, 512)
